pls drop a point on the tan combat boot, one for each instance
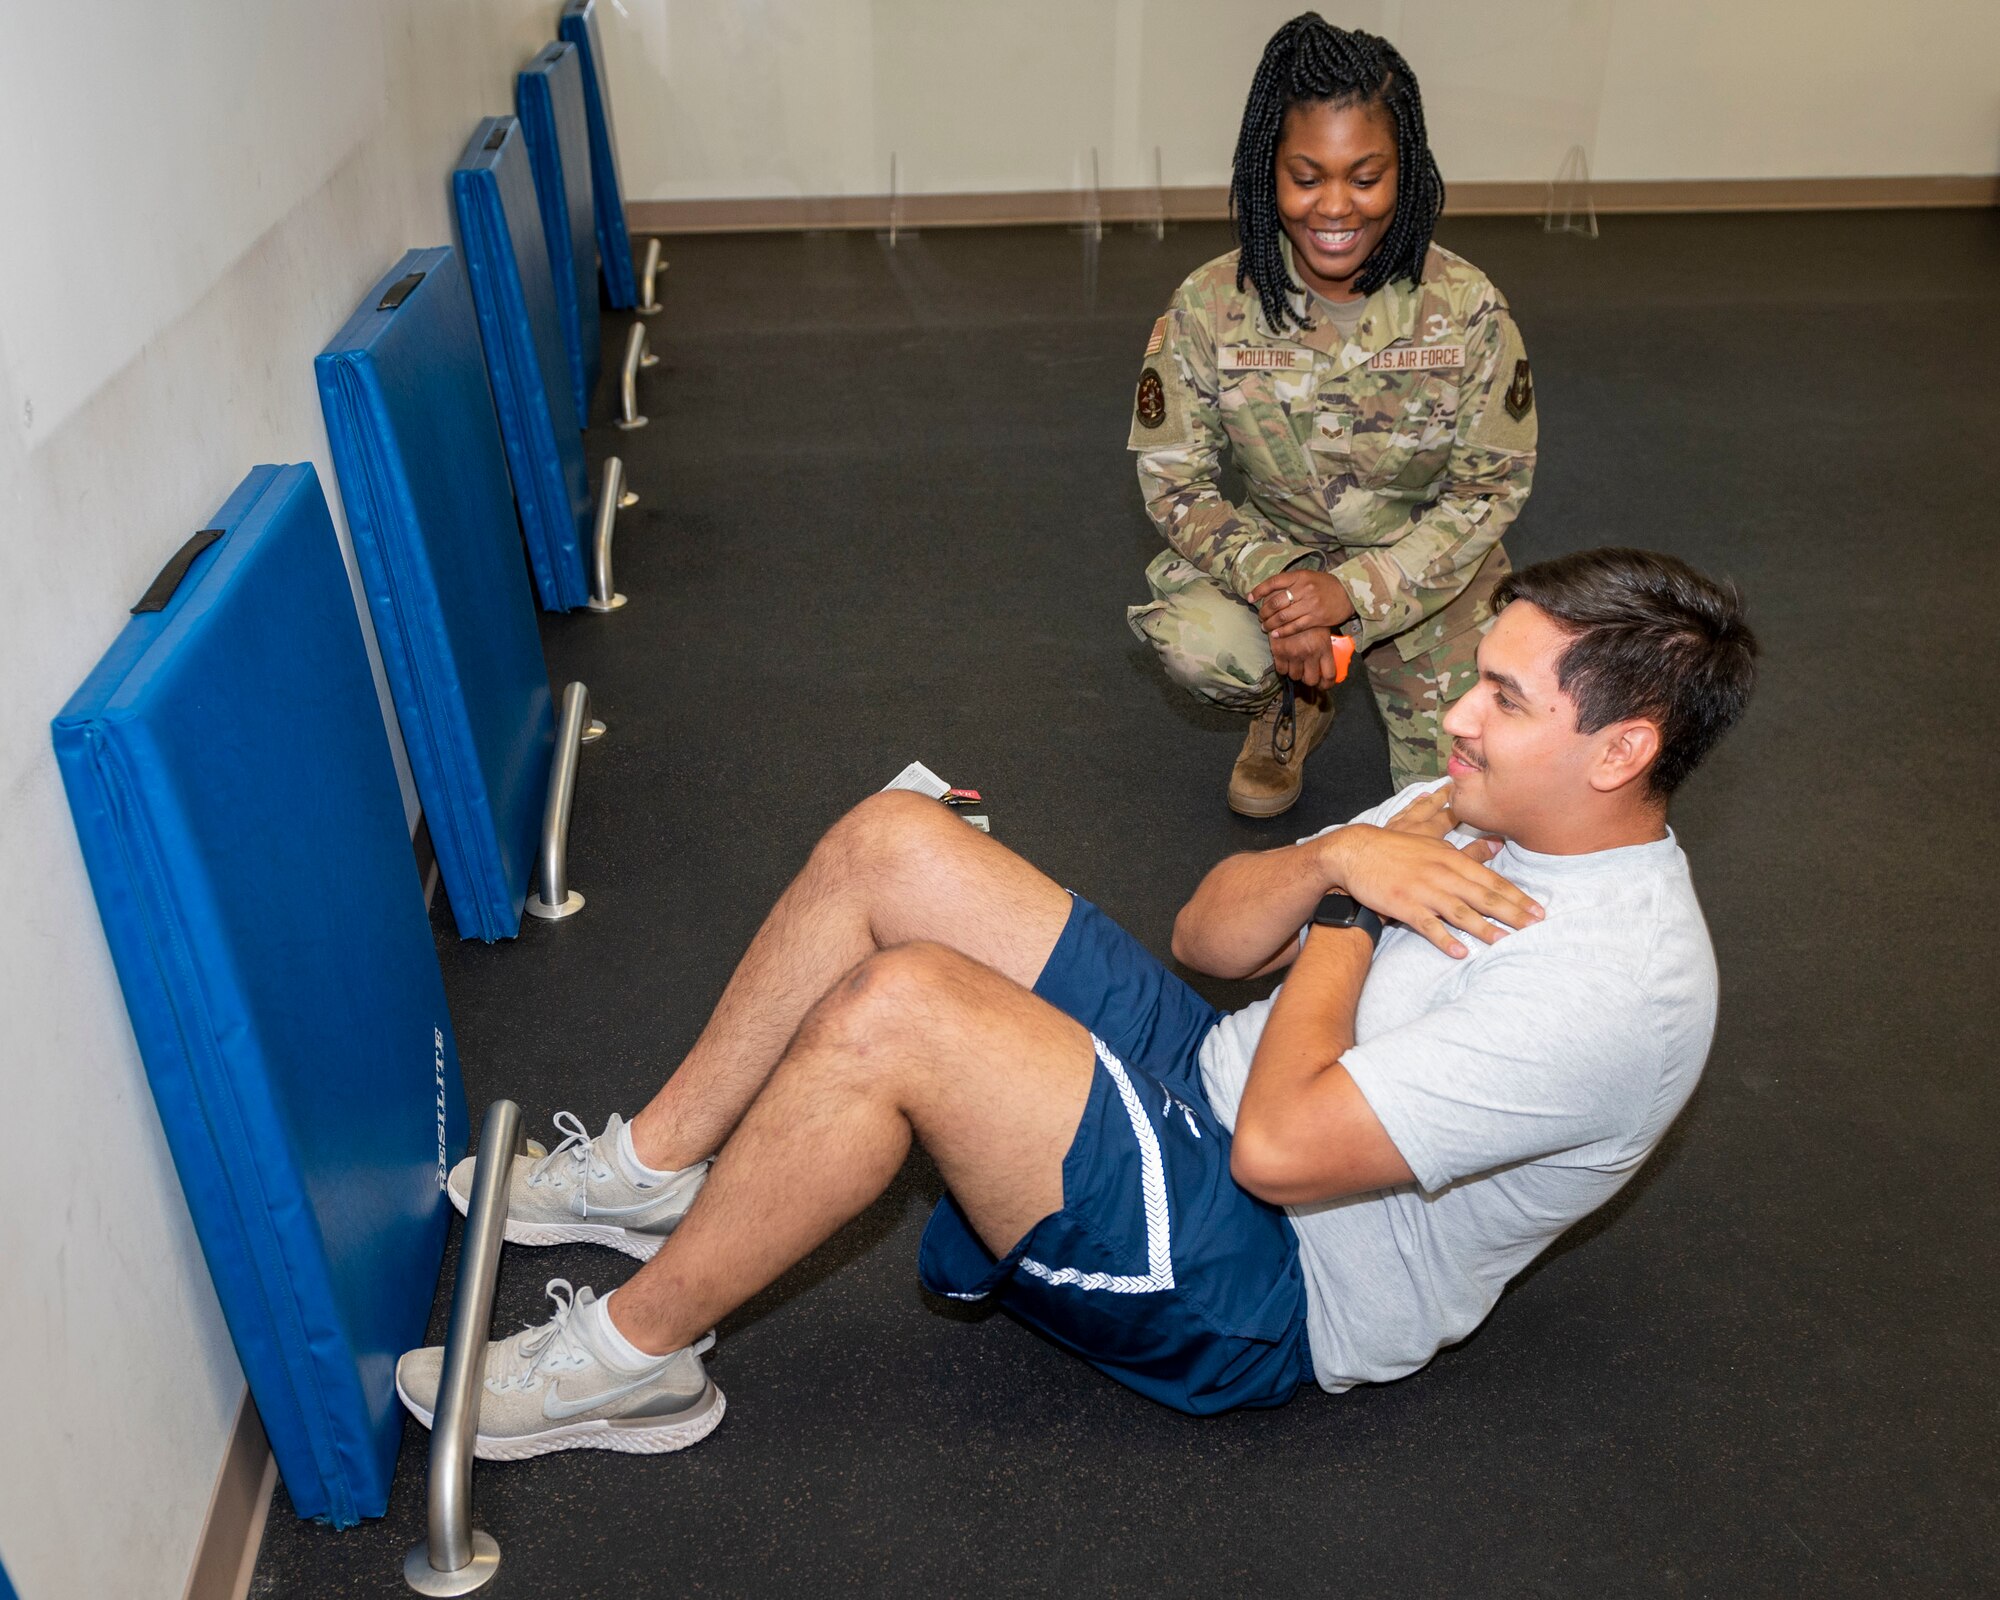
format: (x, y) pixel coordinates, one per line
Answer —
(1270, 769)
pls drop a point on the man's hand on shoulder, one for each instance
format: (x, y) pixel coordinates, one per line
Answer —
(1406, 871)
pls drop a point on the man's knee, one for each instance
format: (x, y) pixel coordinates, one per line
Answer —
(887, 996)
(905, 979)
(882, 827)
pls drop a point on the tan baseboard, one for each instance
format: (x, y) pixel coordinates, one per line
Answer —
(1637, 195)
(1012, 208)
(226, 1558)
(1211, 203)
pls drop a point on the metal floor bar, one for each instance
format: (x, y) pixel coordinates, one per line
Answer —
(637, 354)
(554, 899)
(649, 302)
(604, 595)
(456, 1558)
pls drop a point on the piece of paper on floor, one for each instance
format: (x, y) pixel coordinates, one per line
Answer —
(919, 779)
(983, 824)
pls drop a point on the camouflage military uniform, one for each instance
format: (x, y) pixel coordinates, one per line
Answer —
(1392, 458)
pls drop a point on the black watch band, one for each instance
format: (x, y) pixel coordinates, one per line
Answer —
(1339, 910)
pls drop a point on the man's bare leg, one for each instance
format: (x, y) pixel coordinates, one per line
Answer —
(897, 868)
(918, 1041)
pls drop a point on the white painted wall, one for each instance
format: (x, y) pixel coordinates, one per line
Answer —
(1756, 88)
(203, 212)
(766, 98)
(152, 172)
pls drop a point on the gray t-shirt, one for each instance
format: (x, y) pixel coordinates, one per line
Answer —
(1523, 1085)
(1345, 315)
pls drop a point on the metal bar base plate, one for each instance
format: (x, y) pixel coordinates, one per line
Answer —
(538, 907)
(612, 604)
(421, 1576)
(620, 422)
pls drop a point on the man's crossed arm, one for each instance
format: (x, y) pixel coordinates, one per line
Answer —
(1304, 1131)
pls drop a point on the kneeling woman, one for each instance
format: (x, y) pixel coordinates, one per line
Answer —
(1371, 389)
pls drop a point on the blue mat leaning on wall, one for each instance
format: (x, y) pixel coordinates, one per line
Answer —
(230, 778)
(548, 94)
(514, 291)
(614, 242)
(425, 486)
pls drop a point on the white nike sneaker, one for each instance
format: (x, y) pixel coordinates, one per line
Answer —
(549, 1388)
(577, 1194)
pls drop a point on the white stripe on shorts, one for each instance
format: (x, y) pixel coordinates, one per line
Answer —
(1153, 1190)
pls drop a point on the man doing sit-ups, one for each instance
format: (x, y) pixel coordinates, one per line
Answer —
(1331, 1184)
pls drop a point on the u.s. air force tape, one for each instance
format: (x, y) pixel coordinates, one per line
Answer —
(1418, 358)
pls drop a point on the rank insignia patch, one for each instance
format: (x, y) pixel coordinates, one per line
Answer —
(1152, 400)
(1521, 392)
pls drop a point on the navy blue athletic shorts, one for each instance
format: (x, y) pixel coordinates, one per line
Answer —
(1158, 1270)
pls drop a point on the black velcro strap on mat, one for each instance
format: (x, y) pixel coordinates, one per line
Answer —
(399, 291)
(163, 587)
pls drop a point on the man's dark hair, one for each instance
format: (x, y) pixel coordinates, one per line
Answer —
(1306, 62)
(1650, 637)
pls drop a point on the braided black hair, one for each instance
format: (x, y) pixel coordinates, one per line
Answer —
(1308, 61)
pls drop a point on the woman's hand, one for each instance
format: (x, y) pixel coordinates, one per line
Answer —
(1299, 601)
(1306, 658)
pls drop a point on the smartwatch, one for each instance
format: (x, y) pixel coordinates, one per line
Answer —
(1339, 910)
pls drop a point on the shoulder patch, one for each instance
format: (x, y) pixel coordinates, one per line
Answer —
(1160, 419)
(1507, 420)
(1158, 338)
(1150, 406)
(1521, 392)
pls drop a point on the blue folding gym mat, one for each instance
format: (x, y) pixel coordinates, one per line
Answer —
(614, 244)
(548, 94)
(425, 485)
(514, 291)
(231, 783)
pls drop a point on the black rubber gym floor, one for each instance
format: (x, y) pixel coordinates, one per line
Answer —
(889, 516)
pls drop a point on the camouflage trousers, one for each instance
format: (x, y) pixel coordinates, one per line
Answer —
(1212, 645)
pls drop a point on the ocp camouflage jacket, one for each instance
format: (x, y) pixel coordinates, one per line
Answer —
(1393, 459)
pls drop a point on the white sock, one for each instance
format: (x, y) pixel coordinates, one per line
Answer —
(637, 1173)
(613, 1347)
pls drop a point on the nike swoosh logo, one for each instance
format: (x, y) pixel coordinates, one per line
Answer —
(626, 1211)
(556, 1409)
(653, 1201)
